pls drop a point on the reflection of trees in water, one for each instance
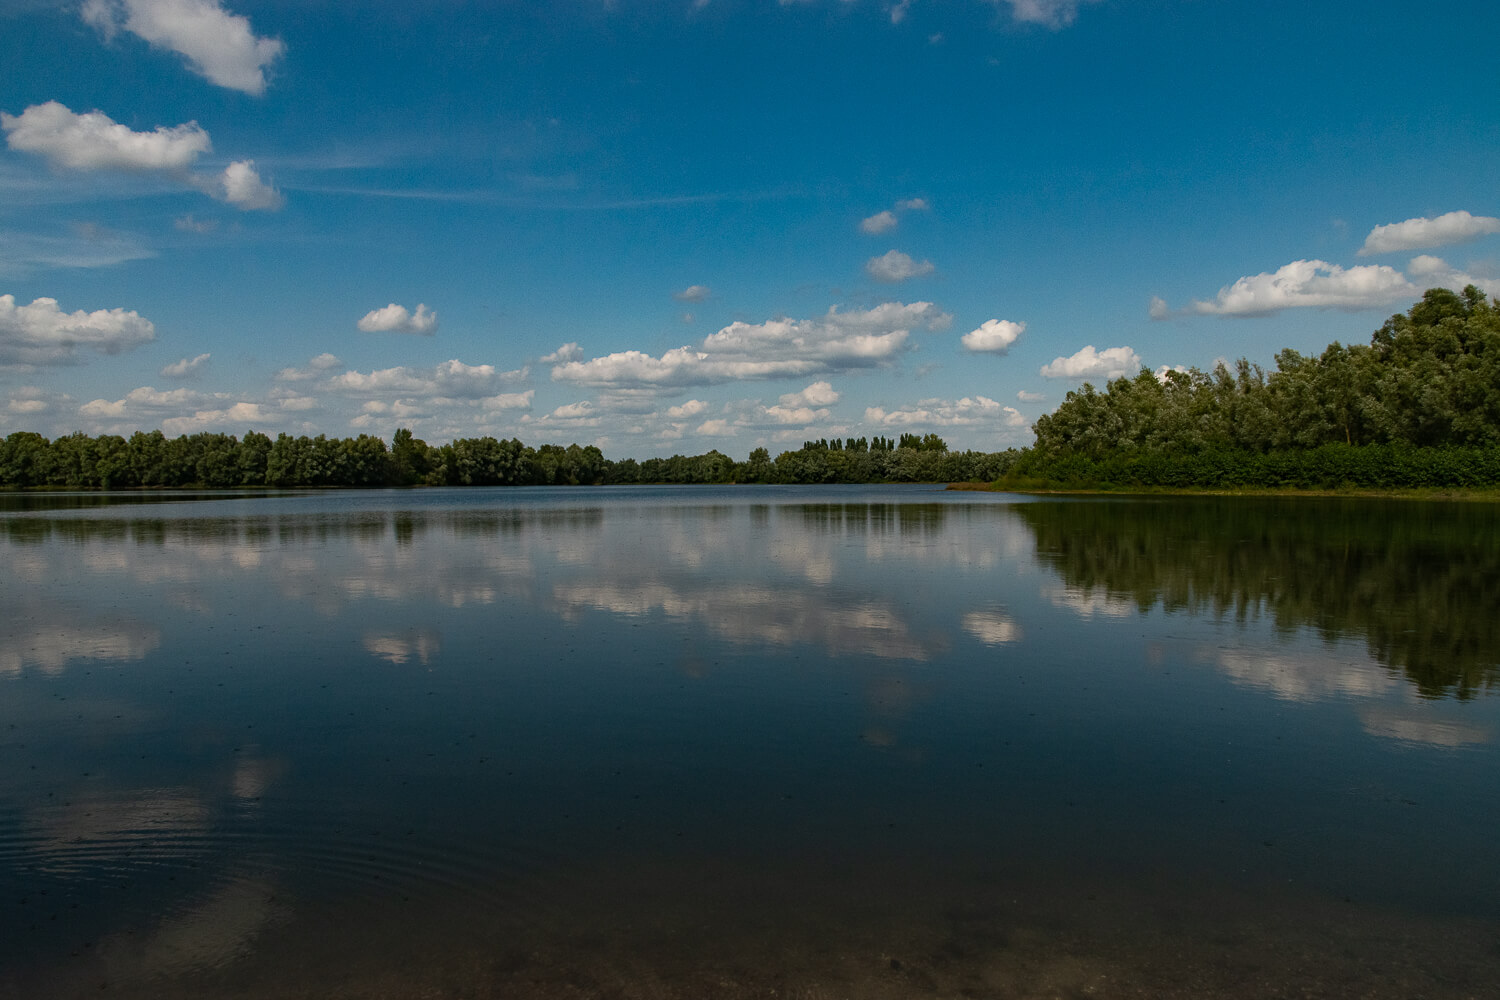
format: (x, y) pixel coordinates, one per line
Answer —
(365, 526)
(1418, 582)
(872, 518)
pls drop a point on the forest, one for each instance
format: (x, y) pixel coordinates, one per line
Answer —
(223, 461)
(1419, 406)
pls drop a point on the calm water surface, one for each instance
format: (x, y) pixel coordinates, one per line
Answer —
(747, 742)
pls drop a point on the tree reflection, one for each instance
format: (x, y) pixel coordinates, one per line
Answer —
(1418, 582)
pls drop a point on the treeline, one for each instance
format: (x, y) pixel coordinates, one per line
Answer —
(223, 461)
(1418, 406)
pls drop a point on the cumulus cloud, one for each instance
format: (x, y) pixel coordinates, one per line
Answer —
(29, 402)
(1030, 397)
(508, 401)
(1048, 13)
(450, 380)
(42, 334)
(1428, 271)
(175, 411)
(970, 411)
(567, 352)
(993, 336)
(878, 223)
(239, 415)
(885, 221)
(1112, 362)
(1422, 233)
(1301, 284)
(187, 367)
(894, 266)
(716, 428)
(795, 409)
(218, 46)
(147, 400)
(316, 367)
(817, 394)
(693, 293)
(241, 186)
(395, 319)
(94, 141)
(686, 411)
(775, 349)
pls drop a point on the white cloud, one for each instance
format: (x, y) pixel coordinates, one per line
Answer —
(795, 409)
(693, 293)
(1111, 362)
(315, 368)
(1030, 397)
(508, 401)
(716, 428)
(94, 141)
(966, 412)
(567, 352)
(1421, 233)
(817, 394)
(42, 334)
(395, 319)
(885, 221)
(775, 349)
(994, 336)
(692, 408)
(187, 367)
(175, 411)
(1163, 370)
(893, 266)
(1049, 13)
(241, 186)
(1435, 272)
(450, 380)
(218, 45)
(243, 416)
(1307, 283)
(878, 223)
(147, 400)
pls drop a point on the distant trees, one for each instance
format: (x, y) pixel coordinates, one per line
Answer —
(221, 461)
(1373, 414)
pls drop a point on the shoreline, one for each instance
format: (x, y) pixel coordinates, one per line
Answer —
(1466, 495)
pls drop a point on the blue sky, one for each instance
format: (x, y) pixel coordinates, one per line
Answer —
(672, 226)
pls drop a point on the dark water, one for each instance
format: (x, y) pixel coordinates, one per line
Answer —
(748, 742)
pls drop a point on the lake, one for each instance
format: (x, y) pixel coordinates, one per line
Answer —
(804, 742)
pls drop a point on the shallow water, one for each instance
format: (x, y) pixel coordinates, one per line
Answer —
(748, 742)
